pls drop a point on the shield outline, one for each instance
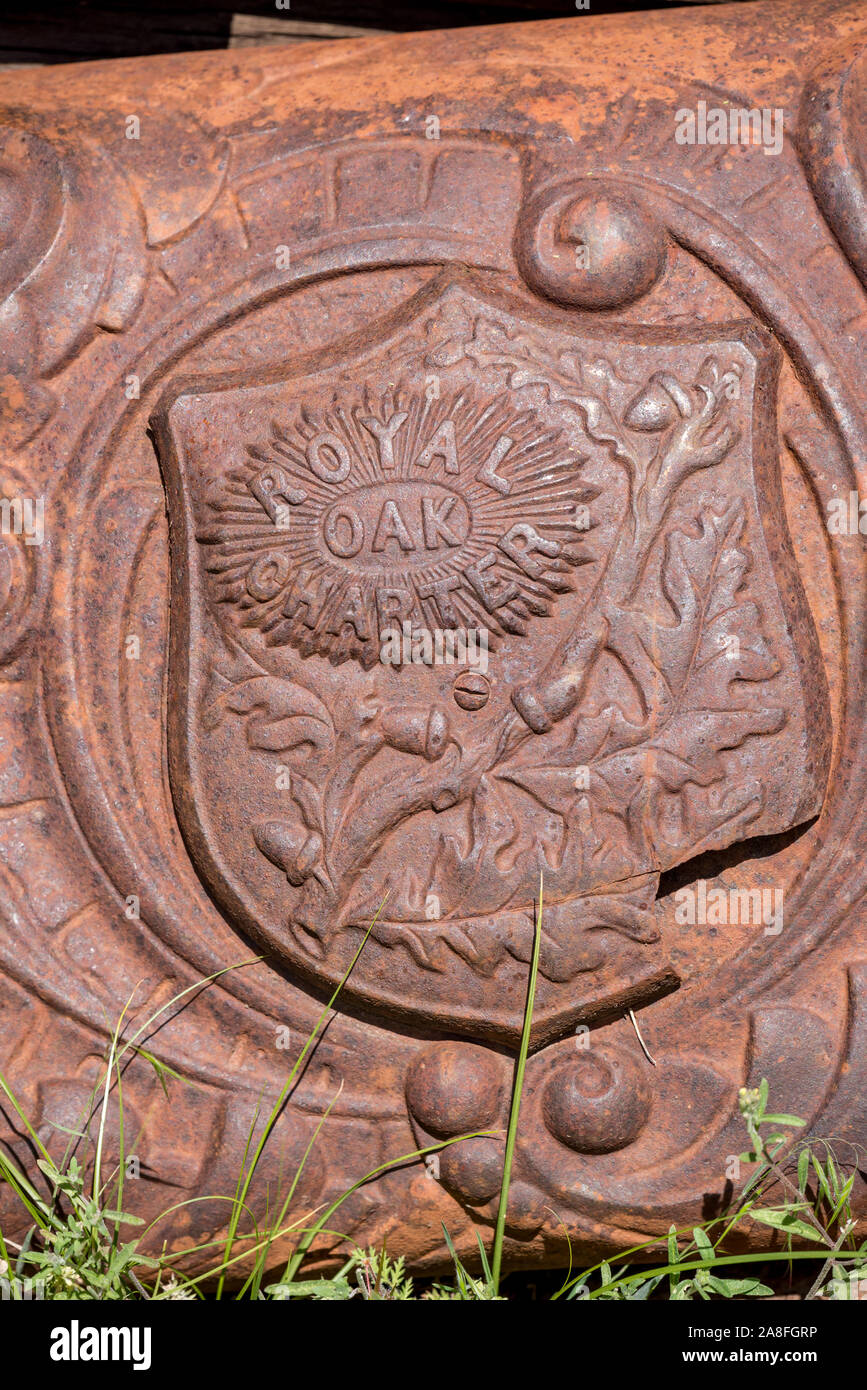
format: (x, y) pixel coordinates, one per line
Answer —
(548, 1023)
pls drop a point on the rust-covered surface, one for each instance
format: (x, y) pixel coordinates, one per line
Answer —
(431, 465)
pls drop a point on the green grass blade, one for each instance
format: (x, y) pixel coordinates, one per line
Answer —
(511, 1136)
(310, 1234)
(284, 1093)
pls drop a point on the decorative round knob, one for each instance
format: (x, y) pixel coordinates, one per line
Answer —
(473, 1169)
(526, 1210)
(590, 246)
(597, 1102)
(453, 1088)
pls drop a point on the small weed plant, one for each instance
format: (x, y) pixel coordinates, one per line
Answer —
(81, 1244)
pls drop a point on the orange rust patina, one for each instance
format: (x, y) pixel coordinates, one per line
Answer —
(430, 465)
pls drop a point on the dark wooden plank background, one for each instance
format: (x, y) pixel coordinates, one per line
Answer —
(62, 31)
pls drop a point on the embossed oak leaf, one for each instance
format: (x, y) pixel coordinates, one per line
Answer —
(657, 791)
(281, 714)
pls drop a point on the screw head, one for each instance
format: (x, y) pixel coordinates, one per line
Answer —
(471, 690)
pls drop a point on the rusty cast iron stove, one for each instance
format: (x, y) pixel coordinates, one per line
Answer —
(431, 466)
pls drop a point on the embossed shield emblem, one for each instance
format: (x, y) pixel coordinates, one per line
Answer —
(484, 595)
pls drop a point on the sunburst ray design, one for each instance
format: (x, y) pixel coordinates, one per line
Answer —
(463, 510)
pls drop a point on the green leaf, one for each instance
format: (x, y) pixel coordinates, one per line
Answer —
(754, 1179)
(824, 1189)
(785, 1220)
(673, 1259)
(460, 1273)
(323, 1290)
(162, 1069)
(843, 1199)
(642, 1291)
(483, 1256)
(124, 1217)
(673, 1252)
(803, 1170)
(739, 1288)
(704, 1244)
